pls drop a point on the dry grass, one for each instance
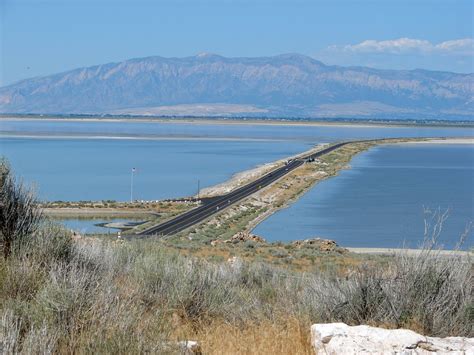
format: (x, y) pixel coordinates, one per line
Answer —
(280, 336)
(60, 295)
(135, 297)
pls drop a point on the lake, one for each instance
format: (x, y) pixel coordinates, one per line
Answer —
(92, 226)
(100, 169)
(381, 201)
(95, 161)
(167, 130)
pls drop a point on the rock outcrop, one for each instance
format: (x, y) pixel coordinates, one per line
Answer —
(244, 236)
(339, 338)
(324, 245)
(189, 347)
(183, 347)
(240, 238)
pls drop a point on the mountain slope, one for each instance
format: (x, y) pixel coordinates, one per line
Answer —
(207, 84)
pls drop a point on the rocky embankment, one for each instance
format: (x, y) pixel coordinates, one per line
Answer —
(324, 245)
(239, 238)
(319, 244)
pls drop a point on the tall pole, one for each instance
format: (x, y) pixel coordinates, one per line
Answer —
(199, 188)
(131, 185)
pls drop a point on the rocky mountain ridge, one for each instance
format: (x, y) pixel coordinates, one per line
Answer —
(289, 85)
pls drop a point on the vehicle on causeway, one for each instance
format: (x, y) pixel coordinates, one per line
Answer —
(218, 203)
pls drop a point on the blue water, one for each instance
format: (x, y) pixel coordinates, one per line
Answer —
(377, 203)
(100, 169)
(380, 201)
(311, 134)
(89, 226)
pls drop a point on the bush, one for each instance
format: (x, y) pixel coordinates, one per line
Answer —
(130, 293)
(60, 295)
(428, 292)
(50, 243)
(19, 212)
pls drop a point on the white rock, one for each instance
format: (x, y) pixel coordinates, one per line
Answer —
(235, 262)
(189, 347)
(184, 347)
(339, 338)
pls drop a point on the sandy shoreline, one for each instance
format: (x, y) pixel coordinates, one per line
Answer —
(133, 137)
(392, 251)
(230, 122)
(238, 122)
(245, 176)
(251, 174)
(444, 141)
(102, 136)
(92, 213)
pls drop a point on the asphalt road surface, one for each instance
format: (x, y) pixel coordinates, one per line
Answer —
(219, 203)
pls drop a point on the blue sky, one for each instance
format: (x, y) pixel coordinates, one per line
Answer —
(44, 37)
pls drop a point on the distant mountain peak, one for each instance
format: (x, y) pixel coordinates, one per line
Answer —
(296, 56)
(285, 85)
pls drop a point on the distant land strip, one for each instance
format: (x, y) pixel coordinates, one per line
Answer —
(241, 120)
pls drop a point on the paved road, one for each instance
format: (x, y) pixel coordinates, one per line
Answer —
(219, 203)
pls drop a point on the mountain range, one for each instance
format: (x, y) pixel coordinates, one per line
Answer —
(288, 85)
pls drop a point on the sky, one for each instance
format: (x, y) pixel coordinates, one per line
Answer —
(44, 37)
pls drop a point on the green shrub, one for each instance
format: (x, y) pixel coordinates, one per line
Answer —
(50, 243)
(19, 211)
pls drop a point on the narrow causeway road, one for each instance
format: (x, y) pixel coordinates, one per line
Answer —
(219, 203)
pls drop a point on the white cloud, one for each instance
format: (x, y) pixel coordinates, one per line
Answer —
(464, 46)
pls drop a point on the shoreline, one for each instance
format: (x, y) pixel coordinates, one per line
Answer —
(459, 140)
(268, 202)
(408, 251)
(135, 137)
(256, 208)
(245, 176)
(244, 121)
(105, 136)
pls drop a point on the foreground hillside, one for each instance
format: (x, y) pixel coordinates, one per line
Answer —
(205, 85)
(60, 294)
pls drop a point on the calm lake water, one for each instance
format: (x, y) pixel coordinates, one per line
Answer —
(89, 226)
(312, 134)
(85, 169)
(377, 203)
(169, 163)
(380, 201)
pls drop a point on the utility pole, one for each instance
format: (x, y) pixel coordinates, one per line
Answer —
(131, 185)
(199, 188)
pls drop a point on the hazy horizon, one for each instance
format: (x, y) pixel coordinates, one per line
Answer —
(50, 37)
